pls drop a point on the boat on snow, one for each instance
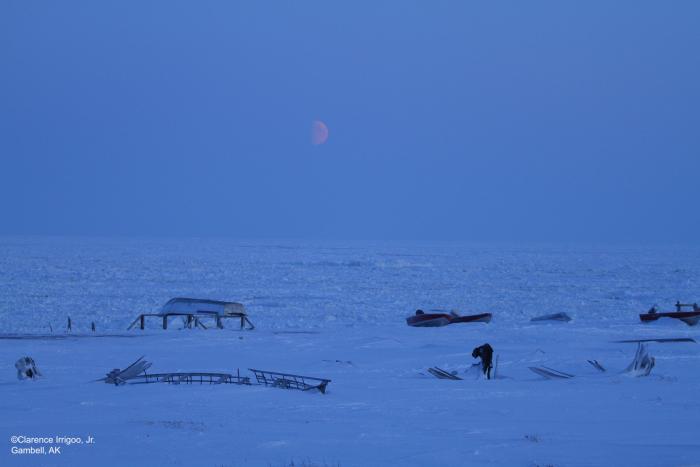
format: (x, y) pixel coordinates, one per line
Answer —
(430, 320)
(552, 317)
(194, 310)
(691, 318)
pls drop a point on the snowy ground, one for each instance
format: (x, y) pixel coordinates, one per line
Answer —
(339, 313)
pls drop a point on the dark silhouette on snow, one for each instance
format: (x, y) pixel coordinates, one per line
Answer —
(485, 352)
(26, 368)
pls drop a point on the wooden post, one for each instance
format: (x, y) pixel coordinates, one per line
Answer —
(219, 324)
(70, 324)
(143, 322)
(165, 322)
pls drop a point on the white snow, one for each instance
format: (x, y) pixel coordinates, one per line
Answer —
(339, 312)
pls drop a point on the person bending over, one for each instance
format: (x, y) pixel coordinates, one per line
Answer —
(485, 353)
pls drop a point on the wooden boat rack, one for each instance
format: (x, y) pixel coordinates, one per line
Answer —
(193, 320)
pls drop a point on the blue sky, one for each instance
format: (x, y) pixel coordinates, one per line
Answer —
(533, 121)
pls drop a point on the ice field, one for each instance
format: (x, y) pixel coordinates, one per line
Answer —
(338, 311)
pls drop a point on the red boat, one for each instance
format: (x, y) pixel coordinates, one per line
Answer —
(422, 319)
(691, 318)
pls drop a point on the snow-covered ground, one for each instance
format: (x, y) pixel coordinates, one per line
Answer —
(337, 311)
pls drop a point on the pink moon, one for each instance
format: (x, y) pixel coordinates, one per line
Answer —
(319, 132)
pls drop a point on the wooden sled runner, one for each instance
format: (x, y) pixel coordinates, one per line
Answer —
(549, 373)
(442, 374)
(191, 378)
(136, 374)
(289, 381)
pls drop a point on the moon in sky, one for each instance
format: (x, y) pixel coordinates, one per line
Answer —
(319, 133)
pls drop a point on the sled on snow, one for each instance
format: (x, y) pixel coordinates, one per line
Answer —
(289, 381)
(136, 374)
(442, 374)
(191, 378)
(563, 317)
(430, 320)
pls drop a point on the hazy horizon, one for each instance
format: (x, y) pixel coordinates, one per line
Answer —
(450, 121)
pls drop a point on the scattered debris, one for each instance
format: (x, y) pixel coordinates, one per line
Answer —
(597, 365)
(550, 373)
(442, 374)
(485, 353)
(26, 369)
(119, 377)
(642, 363)
(553, 317)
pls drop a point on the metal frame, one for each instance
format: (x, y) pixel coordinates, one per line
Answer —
(192, 378)
(289, 381)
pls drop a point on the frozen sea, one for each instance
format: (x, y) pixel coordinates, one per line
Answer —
(338, 310)
(294, 284)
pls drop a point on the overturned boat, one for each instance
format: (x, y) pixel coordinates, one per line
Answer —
(440, 318)
(691, 318)
(195, 310)
(563, 317)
